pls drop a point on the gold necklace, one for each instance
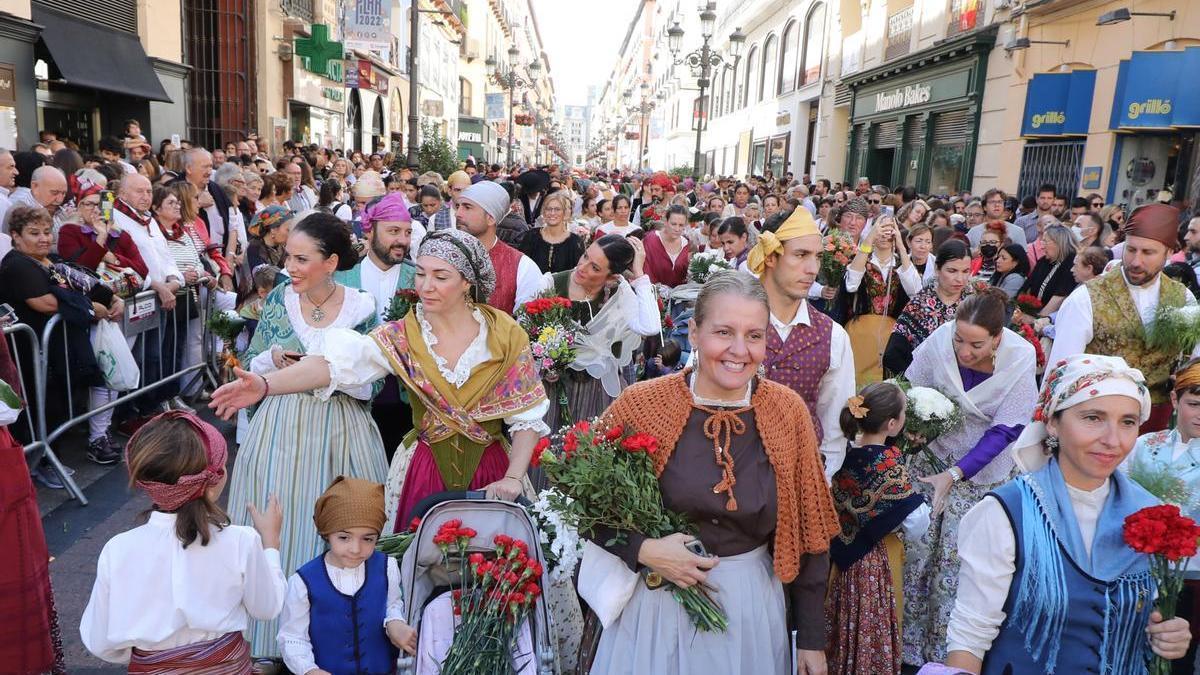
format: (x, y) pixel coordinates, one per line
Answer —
(316, 313)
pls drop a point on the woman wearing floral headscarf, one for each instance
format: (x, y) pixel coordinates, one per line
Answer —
(1043, 551)
(466, 366)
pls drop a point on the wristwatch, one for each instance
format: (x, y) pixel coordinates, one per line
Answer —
(865, 248)
(956, 473)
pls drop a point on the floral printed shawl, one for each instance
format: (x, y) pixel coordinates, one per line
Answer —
(873, 495)
(925, 312)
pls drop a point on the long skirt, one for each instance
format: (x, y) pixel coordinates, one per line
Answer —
(29, 636)
(295, 447)
(414, 475)
(586, 399)
(654, 635)
(931, 569)
(869, 334)
(864, 633)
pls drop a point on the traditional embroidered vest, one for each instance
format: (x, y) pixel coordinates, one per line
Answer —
(801, 362)
(505, 259)
(1117, 327)
(659, 266)
(347, 630)
(1103, 631)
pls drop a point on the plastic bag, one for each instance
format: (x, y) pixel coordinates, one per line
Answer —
(120, 370)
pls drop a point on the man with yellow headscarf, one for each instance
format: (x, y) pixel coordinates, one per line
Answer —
(806, 350)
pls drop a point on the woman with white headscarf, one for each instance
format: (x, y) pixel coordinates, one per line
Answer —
(467, 369)
(1047, 582)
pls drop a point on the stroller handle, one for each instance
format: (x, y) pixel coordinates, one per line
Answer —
(423, 506)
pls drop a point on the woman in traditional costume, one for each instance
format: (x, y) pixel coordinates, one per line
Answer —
(468, 371)
(762, 506)
(30, 643)
(615, 315)
(296, 444)
(1042, 551)
(988, 372)
(878, 283)
(875, 500)
(932, 307)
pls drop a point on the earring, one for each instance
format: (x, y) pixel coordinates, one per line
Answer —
(762, 370)
(1052, 444)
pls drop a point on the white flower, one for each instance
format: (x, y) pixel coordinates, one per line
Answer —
(930, 403)
(565, 545)
(232, 315)
(1190, 313)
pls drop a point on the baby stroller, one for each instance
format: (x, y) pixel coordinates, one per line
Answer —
(425, 581)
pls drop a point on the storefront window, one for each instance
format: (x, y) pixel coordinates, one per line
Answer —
(946, 168)
(778, 155)
(1149, 164)
(758, 158)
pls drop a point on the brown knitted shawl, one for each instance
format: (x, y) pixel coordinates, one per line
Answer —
(807, 520)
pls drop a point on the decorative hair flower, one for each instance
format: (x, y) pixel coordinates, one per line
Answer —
(855, 404)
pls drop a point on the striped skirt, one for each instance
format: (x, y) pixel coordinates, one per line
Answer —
(295, 446)
(227, 655)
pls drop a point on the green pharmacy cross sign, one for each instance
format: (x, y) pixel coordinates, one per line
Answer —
(321, 56)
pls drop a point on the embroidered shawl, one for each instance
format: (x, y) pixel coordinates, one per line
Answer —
(873, 495)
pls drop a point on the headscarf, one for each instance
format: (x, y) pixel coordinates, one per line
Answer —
(1187, 377)
(347, 503)
(490, 197)
(799, 224)
(1073, 381)
(1159, 222)
(392, 207)
(267, 220)
(466, 254)
(170, 497)
(856, 205)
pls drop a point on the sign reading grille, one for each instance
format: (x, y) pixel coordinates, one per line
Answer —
(116, 14)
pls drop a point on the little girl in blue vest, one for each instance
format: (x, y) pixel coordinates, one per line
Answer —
(344, 612)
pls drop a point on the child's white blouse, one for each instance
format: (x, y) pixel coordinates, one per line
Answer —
(154, 594)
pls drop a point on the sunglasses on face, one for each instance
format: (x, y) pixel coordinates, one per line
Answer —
(876, 201)
(1097, 205)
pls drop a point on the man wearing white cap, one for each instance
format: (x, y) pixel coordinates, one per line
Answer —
(477, 211)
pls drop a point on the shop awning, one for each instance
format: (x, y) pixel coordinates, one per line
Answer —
(88, 55)
(1058, 104)
(1156, 90)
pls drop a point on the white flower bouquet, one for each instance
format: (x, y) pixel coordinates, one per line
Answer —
(929, 415)
(559, 539)
(704, 263)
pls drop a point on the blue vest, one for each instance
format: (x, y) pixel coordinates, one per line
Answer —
(1104, 628)
(347, 631)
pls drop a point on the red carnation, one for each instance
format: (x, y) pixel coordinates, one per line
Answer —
(640, 442)
(414, 524)
(614, 433)
(475, 559)
(465, 533)
(538, 451)
(582, 426)
(502, 540)
(570, 444)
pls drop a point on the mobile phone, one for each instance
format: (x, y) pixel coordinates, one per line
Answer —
(106, 205)
(8, 315)
(175, 141)
(696, 546)
(294, 356)
(891, 211)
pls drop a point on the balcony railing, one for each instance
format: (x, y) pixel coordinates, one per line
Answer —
(899, 34)
(964, 16)
(301, 9)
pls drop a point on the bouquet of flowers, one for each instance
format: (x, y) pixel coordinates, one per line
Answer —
(1029, 304)
(1170, 539)
(553, 333)
(1027, 331)
(704, 263)
(836, 254)
(1175, 330)
(559, 539)
(495, 594)
(667, 323)
(227, 325)
(929, 414)
(604, 478)
(404, 300)
(395, 545)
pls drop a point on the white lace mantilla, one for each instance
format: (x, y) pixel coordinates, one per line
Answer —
(476, 353)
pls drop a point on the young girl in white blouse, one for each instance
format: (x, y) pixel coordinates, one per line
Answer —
(344, 610)
(177, 592)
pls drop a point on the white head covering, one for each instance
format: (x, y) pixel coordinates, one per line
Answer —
(1073, 381)
(490, 197)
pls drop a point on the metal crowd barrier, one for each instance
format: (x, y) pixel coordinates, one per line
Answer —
(32, 399)
(145, 320)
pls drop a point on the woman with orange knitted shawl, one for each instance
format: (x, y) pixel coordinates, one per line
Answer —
(738, 455)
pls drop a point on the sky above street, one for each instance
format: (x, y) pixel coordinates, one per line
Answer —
(581, 38)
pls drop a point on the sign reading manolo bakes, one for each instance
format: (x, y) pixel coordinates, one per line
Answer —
(899, 95)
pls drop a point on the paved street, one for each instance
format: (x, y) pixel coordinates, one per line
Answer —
(76, 534)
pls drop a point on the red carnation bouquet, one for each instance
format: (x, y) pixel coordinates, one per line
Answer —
(1026, 330)
(1170, 539)
(495, 593)
(1029, 304)
(553, 334)
(604, 480)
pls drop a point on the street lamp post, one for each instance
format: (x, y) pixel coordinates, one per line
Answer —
(702, 62)
(642, 109)
(508, 78)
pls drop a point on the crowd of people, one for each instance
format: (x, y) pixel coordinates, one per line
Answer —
(777, 397)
